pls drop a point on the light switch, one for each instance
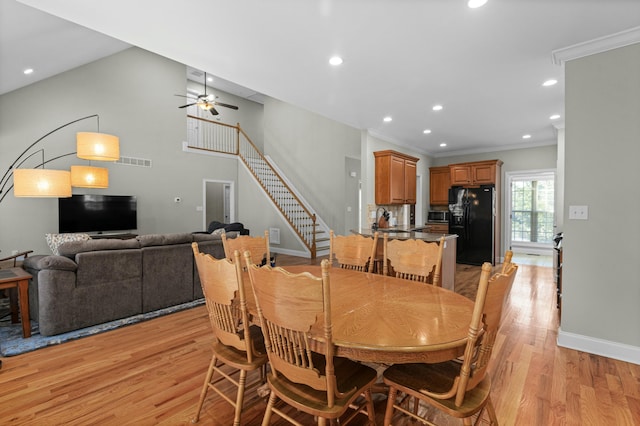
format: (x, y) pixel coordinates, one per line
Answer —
(579, 212)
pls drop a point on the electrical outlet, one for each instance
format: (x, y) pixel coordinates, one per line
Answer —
(579, 212)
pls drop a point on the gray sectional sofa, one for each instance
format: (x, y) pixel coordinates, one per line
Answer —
(101, 280)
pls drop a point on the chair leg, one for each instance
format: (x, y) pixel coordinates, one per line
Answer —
(492, 412)
(391, 398)
(205, 388)
(370, 410)
(267, 413)
(240, 397)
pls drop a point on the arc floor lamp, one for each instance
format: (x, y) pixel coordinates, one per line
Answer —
(42, 182)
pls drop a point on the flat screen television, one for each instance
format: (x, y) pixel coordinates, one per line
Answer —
(97, 213)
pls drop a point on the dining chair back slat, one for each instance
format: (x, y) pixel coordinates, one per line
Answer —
(355, 252)
(413, 259)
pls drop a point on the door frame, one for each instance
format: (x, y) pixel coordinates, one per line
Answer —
(539, 174)
(229, 199)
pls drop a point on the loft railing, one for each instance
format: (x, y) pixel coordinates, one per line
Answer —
(212, 136)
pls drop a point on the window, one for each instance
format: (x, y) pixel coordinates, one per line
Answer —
(532, 210)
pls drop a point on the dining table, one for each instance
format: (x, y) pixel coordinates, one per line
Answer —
(383, 319)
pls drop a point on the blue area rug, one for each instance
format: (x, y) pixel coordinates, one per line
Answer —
(12, 343)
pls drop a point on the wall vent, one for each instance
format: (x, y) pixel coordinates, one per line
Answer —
(132, 161)
(274, 235)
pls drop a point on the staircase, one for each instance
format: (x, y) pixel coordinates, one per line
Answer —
(218, 137)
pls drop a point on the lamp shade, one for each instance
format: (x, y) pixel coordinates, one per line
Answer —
(89, 177)
(97, 146)
(41, 183)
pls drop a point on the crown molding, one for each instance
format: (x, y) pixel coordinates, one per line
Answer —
(598, 45)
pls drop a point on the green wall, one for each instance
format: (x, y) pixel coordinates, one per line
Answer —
(601, 285)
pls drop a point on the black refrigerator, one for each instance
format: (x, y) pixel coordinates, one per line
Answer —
(472, 218)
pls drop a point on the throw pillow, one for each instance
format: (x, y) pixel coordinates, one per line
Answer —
(218, 231)
(55, 240)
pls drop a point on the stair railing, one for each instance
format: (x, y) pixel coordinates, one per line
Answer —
(212, 136)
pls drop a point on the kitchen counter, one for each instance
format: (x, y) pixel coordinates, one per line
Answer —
(406, 233)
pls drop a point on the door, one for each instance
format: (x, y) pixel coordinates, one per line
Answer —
(530, 205)
(218, 200)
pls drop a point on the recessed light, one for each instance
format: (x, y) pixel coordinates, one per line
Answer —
(476, 3)
(387, 119)
(554, 117)
(550, 82)
(209, 79)
(335, 60)
(28, 71)
(443, 144)
(526, 137)
(426, 131)
(437, 107)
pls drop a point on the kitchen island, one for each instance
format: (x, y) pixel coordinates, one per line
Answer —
(405, 233)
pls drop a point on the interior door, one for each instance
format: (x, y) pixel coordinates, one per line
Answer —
(218, 200)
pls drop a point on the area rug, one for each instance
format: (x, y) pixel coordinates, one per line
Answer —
(12, 343)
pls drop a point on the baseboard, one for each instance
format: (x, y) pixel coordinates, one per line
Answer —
(592, 345)
(298, 253)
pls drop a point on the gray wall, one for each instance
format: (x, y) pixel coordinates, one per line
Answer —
(133, 92)
(601, 286)
(312, 152)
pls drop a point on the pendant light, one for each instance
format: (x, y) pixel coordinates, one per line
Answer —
(89, 177)
(41, 183)
(97, 146)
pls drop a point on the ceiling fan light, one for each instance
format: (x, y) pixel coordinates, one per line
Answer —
(41, 183)
(97, 146)
(89, 177)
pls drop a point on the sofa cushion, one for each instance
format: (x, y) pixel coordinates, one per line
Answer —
(55, 240)
(40, 262)
(163, 239)
(206, 237)
(72, 248)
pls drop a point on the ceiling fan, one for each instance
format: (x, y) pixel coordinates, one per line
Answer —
(206, 102)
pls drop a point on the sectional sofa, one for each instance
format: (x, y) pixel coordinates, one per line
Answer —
(99, 280)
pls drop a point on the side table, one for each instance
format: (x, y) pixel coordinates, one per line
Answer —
(18, 278)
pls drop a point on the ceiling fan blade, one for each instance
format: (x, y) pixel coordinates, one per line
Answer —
(186, 96)
(226, 105)
(187, 105)
(214, 111)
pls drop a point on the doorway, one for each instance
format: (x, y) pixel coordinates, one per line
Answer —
(530, 201)
(218, 201)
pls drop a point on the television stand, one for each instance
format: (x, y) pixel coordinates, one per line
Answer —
(125, 236)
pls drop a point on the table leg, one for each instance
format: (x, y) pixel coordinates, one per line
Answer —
(13, 304)
(23, 286)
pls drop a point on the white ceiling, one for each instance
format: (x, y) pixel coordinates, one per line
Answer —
(401, 57)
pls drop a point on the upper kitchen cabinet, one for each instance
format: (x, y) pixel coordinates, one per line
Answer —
(439, 184)
(477, 173)
(395, 178)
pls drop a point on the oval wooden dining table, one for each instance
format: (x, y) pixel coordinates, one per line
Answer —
(383, 319)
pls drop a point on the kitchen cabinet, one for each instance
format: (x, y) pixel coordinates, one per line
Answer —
(439, 184)
(395, 178)
(477, 173)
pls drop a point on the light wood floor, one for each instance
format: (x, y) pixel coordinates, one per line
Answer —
(151, 373)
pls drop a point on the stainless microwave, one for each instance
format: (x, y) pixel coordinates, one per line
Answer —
(438, 216)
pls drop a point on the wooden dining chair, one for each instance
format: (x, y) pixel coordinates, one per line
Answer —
(413, 259)
(237, 345)
(257, 246)
(508, 256)
(319, 384)
(461, 387)
(355, 252)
